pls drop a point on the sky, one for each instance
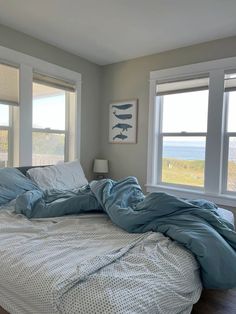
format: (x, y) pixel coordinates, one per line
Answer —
(185, 112)
(232, 112)
(49, 112)
(188, 112)
(48, 108)
(4, 115)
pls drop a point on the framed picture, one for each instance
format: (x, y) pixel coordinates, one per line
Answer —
(123, 121)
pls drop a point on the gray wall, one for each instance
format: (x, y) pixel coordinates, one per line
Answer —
(91, 80)
(102, 85)
(130, 79)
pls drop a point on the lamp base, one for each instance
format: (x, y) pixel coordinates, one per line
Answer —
(100, 176)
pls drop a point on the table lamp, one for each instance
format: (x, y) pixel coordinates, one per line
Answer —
(100, 167)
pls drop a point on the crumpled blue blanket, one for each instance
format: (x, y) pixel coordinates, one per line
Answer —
(56, 203)
(194, 224)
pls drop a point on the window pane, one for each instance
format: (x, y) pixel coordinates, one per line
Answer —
(4, 115)
(3, 148)
(231, 184)
(48, 107)
(232, 112)
(183, 160)
(48, 148)
(185, 112)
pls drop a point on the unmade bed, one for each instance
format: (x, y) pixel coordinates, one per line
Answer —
(87, 264)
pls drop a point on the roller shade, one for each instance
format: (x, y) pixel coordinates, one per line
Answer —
(54, 82)
(230, 82)
(9, 85)
(187, 85)
(41, 91)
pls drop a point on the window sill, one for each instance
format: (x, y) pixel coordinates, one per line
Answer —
(219, 199)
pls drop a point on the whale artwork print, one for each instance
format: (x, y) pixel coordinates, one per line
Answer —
(122, 126)
(123, 122)
(123, 107)
(123, 116)
(120, 136)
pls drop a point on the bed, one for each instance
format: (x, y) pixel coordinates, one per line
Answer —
(86, 264)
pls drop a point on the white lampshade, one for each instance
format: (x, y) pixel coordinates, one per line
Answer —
(100, 166)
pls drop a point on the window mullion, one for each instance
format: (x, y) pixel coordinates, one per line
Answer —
(48, 131)
(67, 124)
(213, 161)
(224, 176)
(159, 139)
(225, 162)
(6, 128)
(152, 135)
(10, 138)
(25, 116)
(183, 134)
(231, 134)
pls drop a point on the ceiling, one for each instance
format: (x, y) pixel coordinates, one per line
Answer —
(108, 31)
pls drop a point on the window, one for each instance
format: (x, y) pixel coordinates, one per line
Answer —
(9, 97)
(182, 135)
(40, 105)
(192, 131)
(51, 103)
(230, 132)
(49, 125)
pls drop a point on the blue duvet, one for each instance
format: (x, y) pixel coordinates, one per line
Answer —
(194, 224)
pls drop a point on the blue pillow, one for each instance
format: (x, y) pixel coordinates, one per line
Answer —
(13, 183)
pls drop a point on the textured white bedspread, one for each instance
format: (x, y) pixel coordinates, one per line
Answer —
(87, 265)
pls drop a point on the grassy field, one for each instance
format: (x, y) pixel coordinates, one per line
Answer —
(191, 172)
(187, 172)
(232, 176)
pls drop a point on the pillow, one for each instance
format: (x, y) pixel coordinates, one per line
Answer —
(12, 184)
(64, 176)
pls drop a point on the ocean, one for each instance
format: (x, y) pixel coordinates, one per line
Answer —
(183, 152)
(187, 152)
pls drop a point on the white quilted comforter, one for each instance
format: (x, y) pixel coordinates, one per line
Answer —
(87, 265)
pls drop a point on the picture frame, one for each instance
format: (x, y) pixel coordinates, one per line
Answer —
(123, 122)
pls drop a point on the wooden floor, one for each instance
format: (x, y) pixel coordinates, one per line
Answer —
(211, 302)
(2, 311)
(216, 302)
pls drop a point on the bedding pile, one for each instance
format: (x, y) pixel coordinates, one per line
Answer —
(194, 224)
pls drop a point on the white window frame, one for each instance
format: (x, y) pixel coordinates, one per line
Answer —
(22, 116)
(160, 136)
(215, 141)
(9, 130)
(66, 132)
(227, 136)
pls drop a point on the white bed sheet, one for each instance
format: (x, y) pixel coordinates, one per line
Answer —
(87, 265)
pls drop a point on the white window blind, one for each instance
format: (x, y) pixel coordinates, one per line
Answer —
(180, 86)
(9, 85)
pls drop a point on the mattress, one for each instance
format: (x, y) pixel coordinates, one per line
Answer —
(85, 264)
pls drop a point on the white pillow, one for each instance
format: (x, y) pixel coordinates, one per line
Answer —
(64, 176)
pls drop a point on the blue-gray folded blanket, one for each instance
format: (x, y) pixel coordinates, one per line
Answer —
(194, 224)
